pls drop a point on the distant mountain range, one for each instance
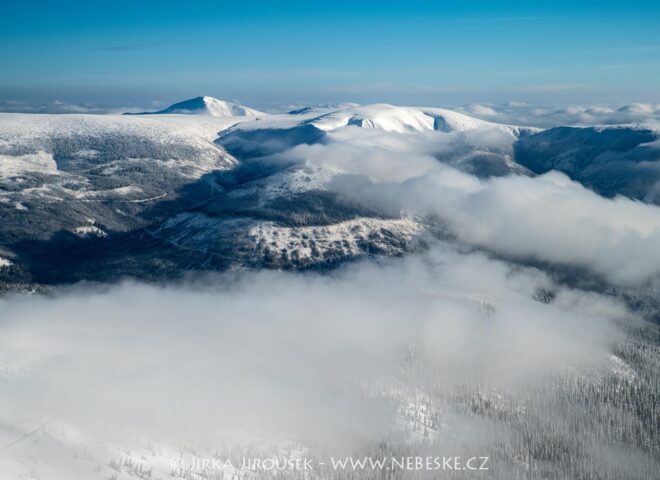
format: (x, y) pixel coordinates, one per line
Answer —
(208, 185)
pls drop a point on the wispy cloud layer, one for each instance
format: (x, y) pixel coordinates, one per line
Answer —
(62, 107)
(551, 116)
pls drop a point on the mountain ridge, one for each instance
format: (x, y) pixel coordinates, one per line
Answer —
(158, 195)
(205, 105)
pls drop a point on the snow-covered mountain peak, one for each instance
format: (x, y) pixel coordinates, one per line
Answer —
(210, 106)
(380, 116)
(392, 118)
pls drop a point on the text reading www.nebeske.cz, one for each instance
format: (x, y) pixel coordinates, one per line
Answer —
(415, 463)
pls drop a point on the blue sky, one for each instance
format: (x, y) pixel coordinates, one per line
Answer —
(269, 53)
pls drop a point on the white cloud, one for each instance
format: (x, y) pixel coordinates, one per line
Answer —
(288, 353)
(60, 106)
(552, 116)
(548, 218)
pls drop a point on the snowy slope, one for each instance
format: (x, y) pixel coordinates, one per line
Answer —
(82, 156)
(59, 171)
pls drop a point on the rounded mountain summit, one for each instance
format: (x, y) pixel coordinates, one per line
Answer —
(206, 106)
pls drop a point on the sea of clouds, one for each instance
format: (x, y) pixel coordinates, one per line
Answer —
(289, 353)
(547, 116)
